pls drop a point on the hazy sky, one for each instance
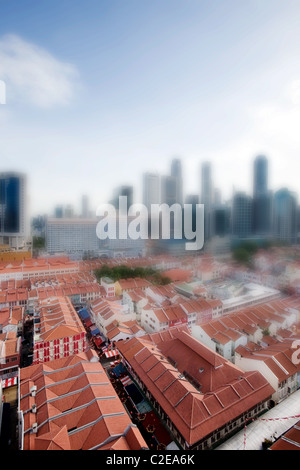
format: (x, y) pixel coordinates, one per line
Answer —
(99, 91)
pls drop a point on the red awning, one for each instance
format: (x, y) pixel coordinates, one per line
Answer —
(126, 380)
(9, 382)
(112, 353)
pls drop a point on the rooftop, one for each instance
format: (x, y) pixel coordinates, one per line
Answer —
(198, 389)
(75, 407)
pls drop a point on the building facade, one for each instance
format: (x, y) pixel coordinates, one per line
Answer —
(14, 224)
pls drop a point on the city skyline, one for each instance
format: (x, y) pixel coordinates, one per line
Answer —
(207, 191)
(132, 86)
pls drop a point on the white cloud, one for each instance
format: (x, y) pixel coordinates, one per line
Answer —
(32, 75)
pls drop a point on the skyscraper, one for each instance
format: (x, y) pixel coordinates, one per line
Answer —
(262, 199)
(176, 172)
(169, 190)
(123, 191)
(285, 216)
(151, 189)
(14, 225)
(59, 212)
(206, 197)
(221, 220)
(193, 200)
(241, 215)
(84, 206)
(172, 186)
(260, 177)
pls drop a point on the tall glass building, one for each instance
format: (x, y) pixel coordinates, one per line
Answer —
(14, 227)
(260, 177)
(285, 216)
(206, 197)
(242, 215)
(262, 199)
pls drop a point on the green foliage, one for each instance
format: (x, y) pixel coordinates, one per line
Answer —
(244, 252)
(125, 272)
(38, 242)
(241, 255)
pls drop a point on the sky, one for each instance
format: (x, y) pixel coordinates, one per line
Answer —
(100, 91)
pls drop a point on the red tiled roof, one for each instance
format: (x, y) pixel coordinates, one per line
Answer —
(76, 408)
(58, 319)
(178, 274)
(290, 440)
(225, 393)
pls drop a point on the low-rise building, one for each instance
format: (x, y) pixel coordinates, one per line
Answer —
(178, 312)
(202, 397)
(275, 363)
(11, 319)
(37, 267)
(103, 312)
(10, 354)
(70, 404)
(58, 331)
(226, 333)
(118, 331)
(127, 285)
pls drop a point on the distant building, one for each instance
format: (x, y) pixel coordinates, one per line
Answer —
(176, 172)
(72, 236)
(84, 207)
(69, 211)
(262, 200)
(260, 177)
(151, 189)
(206, 197)
(37, 267)
(193, 200)
(14, 222)
(242, 215)
(285, 216)
(168, 190)
(124, 190)
(59, 212)
(221, 220)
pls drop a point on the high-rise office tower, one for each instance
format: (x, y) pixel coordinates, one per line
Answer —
(221, 220)
(14, 224)
(176, 172)
(260, 177)
(241, 215)
(262, 199)
(169, 190)
(217, 197)
(193, 200)
(123, 191)
(172, 186)
(206, 197)
(69, 211)
(151, 189)
(58, 212)
(84, 206)
(172, 192)
(285, 216)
